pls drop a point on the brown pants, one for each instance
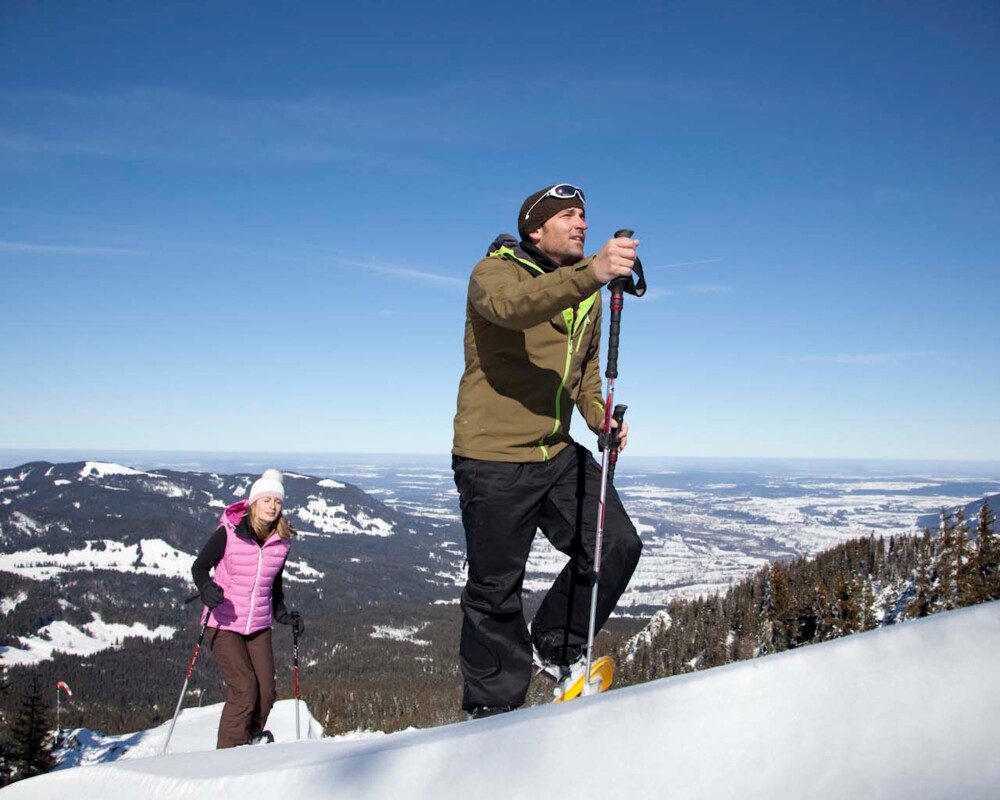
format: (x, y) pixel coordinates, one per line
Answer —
(247, 665)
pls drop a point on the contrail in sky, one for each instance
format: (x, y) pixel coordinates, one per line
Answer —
(66, 250)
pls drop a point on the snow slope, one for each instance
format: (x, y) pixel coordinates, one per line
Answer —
(61, 637)
(149, 557)
(195, 731)
(904, 712)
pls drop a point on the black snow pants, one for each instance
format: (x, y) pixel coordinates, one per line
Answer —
(503, 505)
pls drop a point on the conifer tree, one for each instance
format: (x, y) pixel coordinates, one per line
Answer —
(965, 577)
(6, 758)
(945, 551)
(881, 560)
(846, 606)
(5, 749)
(765, 628)
(987, 556)
(922, 604)
(31, 740)
(869, 619)
(780, 611)
(823, 611)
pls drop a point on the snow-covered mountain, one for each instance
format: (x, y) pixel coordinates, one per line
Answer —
(42, 498)
(95, 561)
(64, 525)
(900, 713)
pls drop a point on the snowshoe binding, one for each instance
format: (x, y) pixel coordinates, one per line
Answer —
(569, 678)
(572, 684)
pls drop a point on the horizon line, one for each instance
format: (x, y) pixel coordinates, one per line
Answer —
(442, 454)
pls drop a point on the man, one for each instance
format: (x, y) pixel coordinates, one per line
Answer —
(532, 339)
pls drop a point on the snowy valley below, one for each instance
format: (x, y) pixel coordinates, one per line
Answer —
(705, 524)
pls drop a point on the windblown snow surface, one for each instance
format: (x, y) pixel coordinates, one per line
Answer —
(901, 713)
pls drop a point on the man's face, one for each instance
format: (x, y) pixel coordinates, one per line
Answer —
(562, 236)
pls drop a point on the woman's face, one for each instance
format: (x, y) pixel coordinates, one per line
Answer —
(267, 509)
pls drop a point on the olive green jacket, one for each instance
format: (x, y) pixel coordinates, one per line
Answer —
(532, 338)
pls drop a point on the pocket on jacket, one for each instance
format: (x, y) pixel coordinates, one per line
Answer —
(225, 612)
(465, 477)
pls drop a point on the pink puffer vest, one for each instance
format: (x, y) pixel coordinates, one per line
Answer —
(246, 573)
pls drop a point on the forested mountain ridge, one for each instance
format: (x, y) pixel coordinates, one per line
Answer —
(857, 586)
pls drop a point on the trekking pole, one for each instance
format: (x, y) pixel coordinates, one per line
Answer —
(295, 672)
(180, 699)
(609, 455)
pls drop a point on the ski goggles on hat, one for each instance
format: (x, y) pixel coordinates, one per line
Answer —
(563, 191)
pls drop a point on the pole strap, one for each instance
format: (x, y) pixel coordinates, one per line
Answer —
(635, 284)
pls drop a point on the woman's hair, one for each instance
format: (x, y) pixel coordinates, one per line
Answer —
(263, 529)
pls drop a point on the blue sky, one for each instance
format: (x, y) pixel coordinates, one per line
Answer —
(248, 226)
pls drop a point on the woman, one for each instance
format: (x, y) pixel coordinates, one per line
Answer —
(248, 552)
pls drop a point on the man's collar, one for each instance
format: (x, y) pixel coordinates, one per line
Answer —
(539, 257)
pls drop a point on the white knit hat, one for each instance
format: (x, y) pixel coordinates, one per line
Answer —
(270, 484)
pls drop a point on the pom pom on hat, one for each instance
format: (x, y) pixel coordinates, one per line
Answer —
(270, 484)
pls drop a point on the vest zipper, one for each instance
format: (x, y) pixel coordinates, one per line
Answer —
(253, 591)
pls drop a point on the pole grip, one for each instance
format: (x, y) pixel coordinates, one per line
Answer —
(617, 287)
(619, 417)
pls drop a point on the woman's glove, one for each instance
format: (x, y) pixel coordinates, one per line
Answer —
(211, 594)
(292, 618)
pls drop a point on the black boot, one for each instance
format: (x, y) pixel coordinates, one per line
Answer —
(478, 712)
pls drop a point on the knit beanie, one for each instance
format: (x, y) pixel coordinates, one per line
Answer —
(536, 211)
(270, 484)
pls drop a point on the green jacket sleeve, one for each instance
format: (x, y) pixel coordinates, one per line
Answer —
(499, 292)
